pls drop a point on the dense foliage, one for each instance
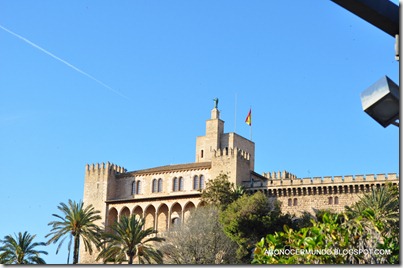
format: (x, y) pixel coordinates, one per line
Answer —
(249, 218)
(367, 233)
(220, 192)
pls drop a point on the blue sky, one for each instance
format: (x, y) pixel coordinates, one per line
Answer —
(152, 69)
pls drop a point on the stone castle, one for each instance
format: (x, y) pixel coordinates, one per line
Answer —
(166, 195)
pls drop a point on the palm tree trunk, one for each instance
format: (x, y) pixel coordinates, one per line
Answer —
(131, 259)
(76, 248)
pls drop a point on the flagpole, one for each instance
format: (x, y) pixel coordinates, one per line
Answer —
(235, 112)
(251, 123)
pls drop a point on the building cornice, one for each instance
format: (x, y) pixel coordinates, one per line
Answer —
(167, 169)
(153, 198)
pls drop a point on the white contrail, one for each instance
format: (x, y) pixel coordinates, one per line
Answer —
(63, 61)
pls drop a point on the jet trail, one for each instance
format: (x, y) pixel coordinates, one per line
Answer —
(63, 61)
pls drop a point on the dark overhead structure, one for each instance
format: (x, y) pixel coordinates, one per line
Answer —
(380, 13)
(381, 101)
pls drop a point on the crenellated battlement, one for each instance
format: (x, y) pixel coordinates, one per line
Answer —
(279, 175)
(103, 168)
(232, 152)
(280, 179)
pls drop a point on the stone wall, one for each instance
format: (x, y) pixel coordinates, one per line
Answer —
(308, 194)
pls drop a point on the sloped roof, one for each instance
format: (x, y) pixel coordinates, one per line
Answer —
(171, 168)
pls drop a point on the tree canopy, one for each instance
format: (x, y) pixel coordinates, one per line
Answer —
(20, 249)
(76, 222)
(200, 240)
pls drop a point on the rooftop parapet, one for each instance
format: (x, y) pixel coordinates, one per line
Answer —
(273, 182)
(102, 168)
(232, 152)
(279, 175)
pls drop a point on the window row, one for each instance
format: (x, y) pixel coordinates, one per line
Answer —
(177, 185)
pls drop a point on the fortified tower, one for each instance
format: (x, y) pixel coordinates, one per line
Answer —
(228, 152)
(99, 186)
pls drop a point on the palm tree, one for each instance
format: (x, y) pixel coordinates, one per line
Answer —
(376, 218)
(238, 191)
(77, 222)
(380, 205)
(21, 250)
(128, 239)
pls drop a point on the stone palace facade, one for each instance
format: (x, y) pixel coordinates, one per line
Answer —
(166, 195)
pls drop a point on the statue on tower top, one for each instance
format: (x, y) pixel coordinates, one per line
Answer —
(215, 103)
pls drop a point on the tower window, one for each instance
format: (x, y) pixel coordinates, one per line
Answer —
(289, 202)
(159, 185)
(201, 182)
(180, 184)
(336, 200)
(195, 182)
(154, 186)
(295, 202)
(175, 184)
(202, 153)
(138, 187)
(133, 187)
(330, 200)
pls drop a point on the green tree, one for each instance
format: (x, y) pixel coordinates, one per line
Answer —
(380, 205)
(250, 218)
(21, 250)
(76, 222)
(128, 239)
(371, 223)
(200, 241)
(309, 245)
(379, 214)
(238, 191)
(219, 192)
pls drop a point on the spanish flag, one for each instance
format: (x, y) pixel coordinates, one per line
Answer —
(248, 119)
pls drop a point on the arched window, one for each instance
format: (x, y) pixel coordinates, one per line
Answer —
(159, 185)
(201, 182)
(134, 187)
(180, 184)
(195, 182)
(295, 202)
(175, 184)
(336, 200)
(330, 200)
(154, 186)
(289, 202)
(138, 187)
